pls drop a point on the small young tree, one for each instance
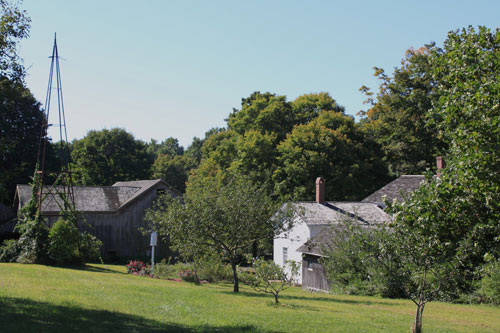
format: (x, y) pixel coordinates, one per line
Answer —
(270, 278)
(225, 216)
(416, 261)
(405, 255)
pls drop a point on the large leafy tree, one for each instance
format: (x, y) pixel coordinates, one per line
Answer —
(21, 120)
(461, 207)
(331, 146)
(173, 169)
(226, 217)
(307, 107)
(442, 233)
(468, 114)
(263, 112)
(168, 146)
(397, 119)
(21, 117)
(250, 145)
(107, 156)
(14, 25)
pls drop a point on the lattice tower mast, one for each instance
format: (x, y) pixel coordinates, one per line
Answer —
(62, 186)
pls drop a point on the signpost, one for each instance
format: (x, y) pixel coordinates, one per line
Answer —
(154, 239)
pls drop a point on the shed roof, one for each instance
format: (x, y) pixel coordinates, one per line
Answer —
(397, 189)
(314, 245)
(93, 198)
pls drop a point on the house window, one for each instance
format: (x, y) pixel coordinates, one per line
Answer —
(160, 191)
(309, 265)
(285, 255)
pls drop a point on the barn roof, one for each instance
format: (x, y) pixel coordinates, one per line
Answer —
(397, 189)
(330, 212)
(93, 198)
(142, 186)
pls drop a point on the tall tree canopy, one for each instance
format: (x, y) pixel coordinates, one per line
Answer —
(262, 112)
(307, 107)
(261, 141)
(107, 156)
(14, 25)
(168, 146)
(21, 120)
(173, 169)
(331, 146)
(441, 236)
(398, 120)
(459, 210)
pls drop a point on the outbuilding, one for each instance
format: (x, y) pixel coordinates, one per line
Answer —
(114, 214)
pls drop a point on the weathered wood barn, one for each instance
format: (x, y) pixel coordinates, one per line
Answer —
(114, 213)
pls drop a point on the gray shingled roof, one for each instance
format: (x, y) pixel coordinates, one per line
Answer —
(313, 213)
(93, 198)
(142, 185)
(397, 189)
(314, 245)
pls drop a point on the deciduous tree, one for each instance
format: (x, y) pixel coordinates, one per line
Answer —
(226, 217)
(397, 119)
(21, 120)
(107, 156)
(173, 169)
(14, 26)
(333, 147)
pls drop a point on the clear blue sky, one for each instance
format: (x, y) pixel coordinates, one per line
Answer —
(177, 68)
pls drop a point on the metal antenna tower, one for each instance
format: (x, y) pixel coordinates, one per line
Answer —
(62, 186)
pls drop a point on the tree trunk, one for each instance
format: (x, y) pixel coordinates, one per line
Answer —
(417, 326)
(235, 276)
(276, 298)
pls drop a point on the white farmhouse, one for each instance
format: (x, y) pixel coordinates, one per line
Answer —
(313, 217)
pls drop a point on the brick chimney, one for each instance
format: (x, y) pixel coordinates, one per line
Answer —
(320, 190)
(440, 165)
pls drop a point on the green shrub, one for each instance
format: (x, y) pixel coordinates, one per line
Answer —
(212, 269)
(9, 251)
(163, 270)
(63, 242)
(90, 248)
(32, 243)
(490, 284)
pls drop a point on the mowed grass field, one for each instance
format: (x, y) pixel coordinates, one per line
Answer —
(103, 298)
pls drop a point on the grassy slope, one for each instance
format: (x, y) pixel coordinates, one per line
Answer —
(103, 298)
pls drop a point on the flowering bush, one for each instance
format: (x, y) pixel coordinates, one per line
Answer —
(137, 267)
(188, 275)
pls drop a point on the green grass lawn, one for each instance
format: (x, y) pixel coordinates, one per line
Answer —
(102, 298)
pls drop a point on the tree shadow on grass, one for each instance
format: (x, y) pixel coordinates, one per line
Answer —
(25, 315)
(304, 298)
(89, 268)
